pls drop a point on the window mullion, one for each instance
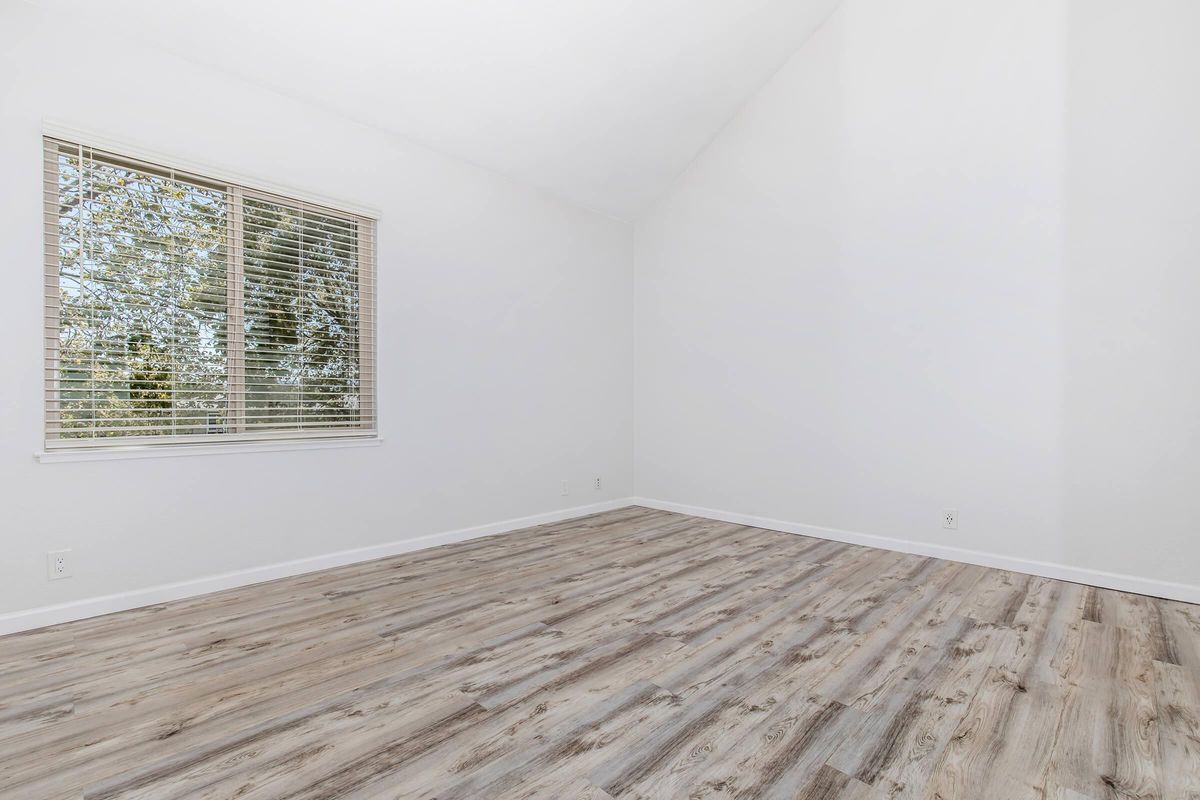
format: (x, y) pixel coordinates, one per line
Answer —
(235, 315)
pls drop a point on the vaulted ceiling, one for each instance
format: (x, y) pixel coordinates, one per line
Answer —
(602, 102)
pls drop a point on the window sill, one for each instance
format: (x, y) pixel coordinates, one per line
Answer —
(175, 451)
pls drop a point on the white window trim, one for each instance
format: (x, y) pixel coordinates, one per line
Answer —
(127, 452)
(91, 138)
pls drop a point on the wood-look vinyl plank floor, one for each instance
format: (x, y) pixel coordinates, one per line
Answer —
(630, 654)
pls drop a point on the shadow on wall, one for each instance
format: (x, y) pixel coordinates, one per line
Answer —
(946, 258)
(1131, 394)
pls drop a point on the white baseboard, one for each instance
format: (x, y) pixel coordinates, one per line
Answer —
(1187, 593)
(107, 604)
(81, 609)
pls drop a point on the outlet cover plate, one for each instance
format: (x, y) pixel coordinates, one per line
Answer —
(58, 564)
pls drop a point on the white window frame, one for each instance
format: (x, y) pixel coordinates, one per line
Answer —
(72, 449)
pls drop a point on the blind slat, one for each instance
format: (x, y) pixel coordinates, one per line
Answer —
(252, 283)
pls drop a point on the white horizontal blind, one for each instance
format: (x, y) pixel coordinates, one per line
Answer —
(183, 310)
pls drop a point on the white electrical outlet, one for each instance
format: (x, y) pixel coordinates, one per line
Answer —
(950, 519)
(596, 483)
(58, 564)
(566, 489)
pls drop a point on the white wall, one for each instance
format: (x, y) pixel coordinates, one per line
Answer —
(947, 257)
(1130, 418)
(505, 339)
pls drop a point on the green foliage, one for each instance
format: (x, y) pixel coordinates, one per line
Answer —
(143, 325)
(301, 313)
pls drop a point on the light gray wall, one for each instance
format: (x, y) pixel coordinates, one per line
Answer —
(947, 257)
(505, 339)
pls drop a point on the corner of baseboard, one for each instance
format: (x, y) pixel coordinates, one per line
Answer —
(1186, 593)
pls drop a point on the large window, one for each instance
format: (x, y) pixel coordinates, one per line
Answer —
(181, 309)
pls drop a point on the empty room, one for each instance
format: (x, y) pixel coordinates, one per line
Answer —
(600, 400)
